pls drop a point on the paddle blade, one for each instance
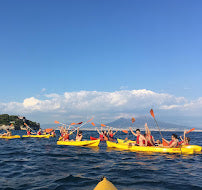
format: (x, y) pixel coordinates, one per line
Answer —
(89, 120)
(164, 143)
(79, 123)
(57, 122)
(125, 131)
(190, 130)
(133, 119)
(11, 125)
(48, 130)
(152, 113)
(93, 124)
(73, 124)
(103, 125)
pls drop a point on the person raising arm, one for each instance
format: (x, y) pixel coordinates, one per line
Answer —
(141, 140)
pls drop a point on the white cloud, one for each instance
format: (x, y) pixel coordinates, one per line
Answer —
(103, 105)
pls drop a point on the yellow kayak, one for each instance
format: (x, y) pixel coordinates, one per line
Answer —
(196, 148)
(10, 137)
(36, 136)
(105, 185)
(79, 143)
(149, 148)
(122, 141)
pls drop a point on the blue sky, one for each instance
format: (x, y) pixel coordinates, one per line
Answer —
(105, 46)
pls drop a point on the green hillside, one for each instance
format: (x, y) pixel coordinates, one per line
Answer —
(18, 122)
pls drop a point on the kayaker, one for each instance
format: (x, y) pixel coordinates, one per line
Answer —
(44, 132)
(185, 141)
(39, 132)
(174, 143)
(105, 135)
(141, 140)
(101, 134)
(65, 136)
(8, 133)
(148, 136)
(111, 134)
(79, 135)
(53, 133)
(28, 132)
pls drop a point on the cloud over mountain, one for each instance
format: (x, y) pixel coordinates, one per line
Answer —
(103, 105)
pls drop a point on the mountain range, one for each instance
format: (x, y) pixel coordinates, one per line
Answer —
(125, 123)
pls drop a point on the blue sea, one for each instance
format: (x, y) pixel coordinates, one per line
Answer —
(42, 164)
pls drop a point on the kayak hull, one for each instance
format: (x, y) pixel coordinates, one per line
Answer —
(196, 148)
(91, 143)
(10, 137)
(105, 185)
(36, 136)
(149, 148)
(122, 141)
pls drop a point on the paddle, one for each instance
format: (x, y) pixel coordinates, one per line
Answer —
(133, 120)
(29, 128)
(93, 124)
(83, 124)
(190, 130)
(163, 141)
(152, 114)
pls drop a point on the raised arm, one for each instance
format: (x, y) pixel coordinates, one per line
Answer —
(185, 133)
(132, 132)
(115, 132)
(98, 130)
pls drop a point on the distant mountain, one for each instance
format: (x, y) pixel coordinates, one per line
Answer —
(140, 122)
(125, 123)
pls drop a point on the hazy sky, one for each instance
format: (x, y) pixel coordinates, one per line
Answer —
(71, 59)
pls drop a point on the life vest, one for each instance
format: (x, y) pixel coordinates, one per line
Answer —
(28, 133)
(66, 137)
(39, 133)
(149, 142)
(137, 140)
(172, 142)
(111, 135)
(181, 142)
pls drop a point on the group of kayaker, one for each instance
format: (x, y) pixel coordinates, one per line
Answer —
(40, 132)
(148, 140)
(65, 134)
(104, 135)
(7, 134)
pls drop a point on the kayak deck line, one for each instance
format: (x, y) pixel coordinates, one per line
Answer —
(91, 143)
